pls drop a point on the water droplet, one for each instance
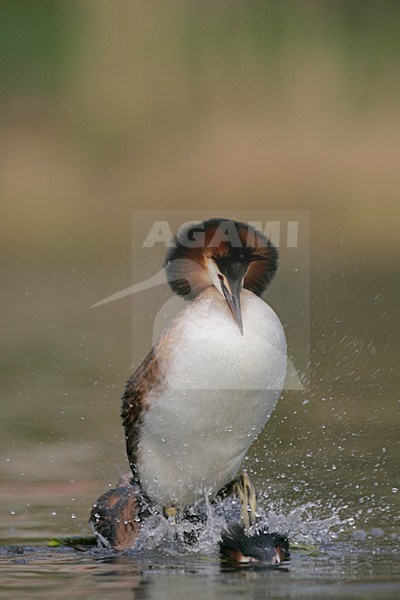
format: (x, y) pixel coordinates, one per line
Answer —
(359, 534)
(377, 532)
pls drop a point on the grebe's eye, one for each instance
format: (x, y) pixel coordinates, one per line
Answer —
(221, 278)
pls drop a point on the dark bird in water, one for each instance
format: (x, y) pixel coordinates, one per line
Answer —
(117, 514)
(261, 546)
(209, 385)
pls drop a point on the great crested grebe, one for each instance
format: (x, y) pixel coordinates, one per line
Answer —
(209, 385)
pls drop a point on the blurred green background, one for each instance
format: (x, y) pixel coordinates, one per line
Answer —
(112, 105)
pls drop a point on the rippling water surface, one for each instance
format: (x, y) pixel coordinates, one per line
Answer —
(326, 467)
(329, 557)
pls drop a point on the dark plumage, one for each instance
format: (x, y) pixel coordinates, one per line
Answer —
(260, 546)
(134, 403)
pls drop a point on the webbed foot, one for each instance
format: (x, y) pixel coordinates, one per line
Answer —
(248, 499)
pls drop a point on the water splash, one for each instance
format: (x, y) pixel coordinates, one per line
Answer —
(303, 525)
(201, 531)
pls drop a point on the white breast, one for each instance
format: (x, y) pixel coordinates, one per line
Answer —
(221, 388)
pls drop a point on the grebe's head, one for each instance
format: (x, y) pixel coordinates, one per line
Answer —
(226, 254)
(258, 547)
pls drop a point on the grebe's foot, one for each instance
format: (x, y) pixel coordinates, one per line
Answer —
(248, 500)
(115, 516)
(171, 513)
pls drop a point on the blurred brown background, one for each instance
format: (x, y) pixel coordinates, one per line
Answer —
(111, 105)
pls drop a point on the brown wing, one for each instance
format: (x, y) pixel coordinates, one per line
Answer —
(135, 403)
